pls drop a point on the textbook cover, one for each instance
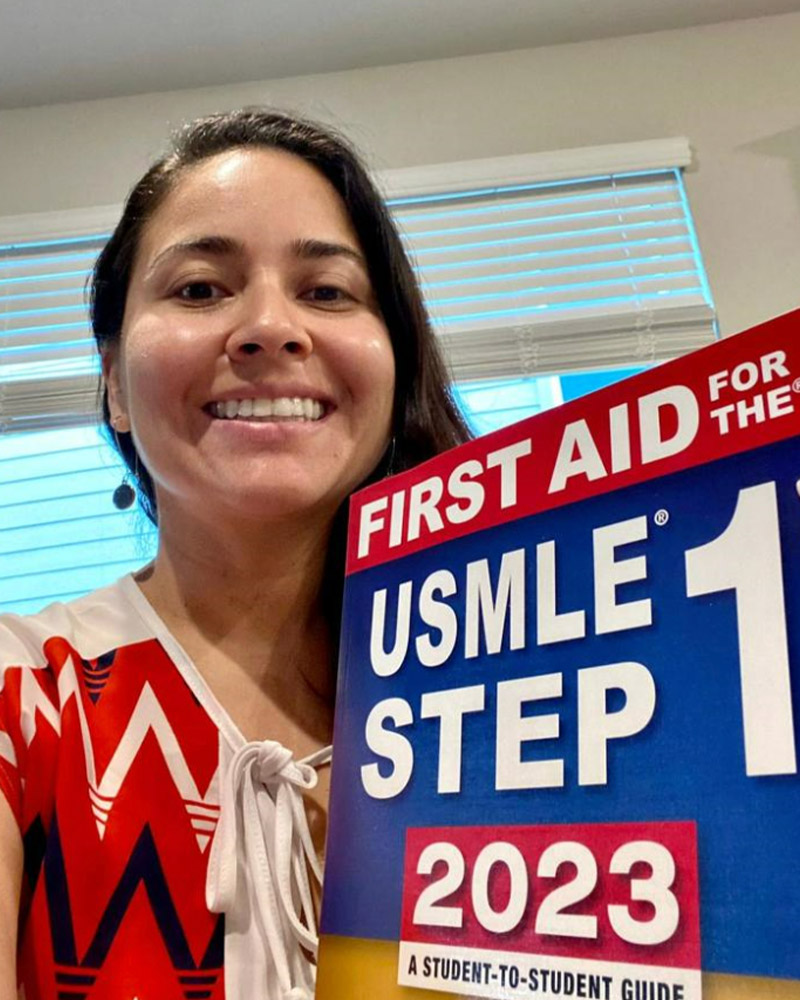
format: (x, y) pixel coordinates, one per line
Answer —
(565, 743)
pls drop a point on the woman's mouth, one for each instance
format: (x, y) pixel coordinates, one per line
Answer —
(282, 408)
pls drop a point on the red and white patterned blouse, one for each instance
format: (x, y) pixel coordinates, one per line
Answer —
(114, 757)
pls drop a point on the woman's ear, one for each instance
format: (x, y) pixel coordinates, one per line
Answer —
(116, 397)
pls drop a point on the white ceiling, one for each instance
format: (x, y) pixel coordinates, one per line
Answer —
(68, 50)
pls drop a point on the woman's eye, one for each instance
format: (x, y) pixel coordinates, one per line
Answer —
(328, 294)
(199, 291)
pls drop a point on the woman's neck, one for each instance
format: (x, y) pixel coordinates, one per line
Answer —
(245, 602)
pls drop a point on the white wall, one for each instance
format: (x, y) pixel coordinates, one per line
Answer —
(733, 89)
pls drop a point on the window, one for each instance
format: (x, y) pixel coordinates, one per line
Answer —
(489, 404)
(552, 274)
(60, 534)
(558, 262)
(546, 276)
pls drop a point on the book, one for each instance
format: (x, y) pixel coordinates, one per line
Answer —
(565, 755)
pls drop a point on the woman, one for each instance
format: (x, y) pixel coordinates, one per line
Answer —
(163, 741)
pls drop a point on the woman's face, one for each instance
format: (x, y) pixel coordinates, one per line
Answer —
(254, 369)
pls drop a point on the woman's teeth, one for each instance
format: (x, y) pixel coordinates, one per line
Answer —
(283, 408)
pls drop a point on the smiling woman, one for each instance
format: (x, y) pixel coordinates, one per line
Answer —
(250, 286)
(163, 741)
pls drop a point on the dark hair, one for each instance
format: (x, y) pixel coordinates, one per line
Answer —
(425, 420)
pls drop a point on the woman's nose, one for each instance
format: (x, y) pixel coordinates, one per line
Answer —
(268, 325)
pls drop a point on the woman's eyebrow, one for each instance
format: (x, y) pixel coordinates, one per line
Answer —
(211, 246)
(317, 249)
(223, 246)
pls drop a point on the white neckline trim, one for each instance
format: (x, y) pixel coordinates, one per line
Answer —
(261, 849)
(189, 672)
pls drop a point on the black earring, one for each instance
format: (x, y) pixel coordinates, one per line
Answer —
(124, 495)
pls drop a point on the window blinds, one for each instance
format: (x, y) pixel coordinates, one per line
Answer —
(530, 265)
(560, 276)
(48, 365)
(60, 534)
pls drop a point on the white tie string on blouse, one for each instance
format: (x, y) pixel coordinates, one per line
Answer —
(258, 873)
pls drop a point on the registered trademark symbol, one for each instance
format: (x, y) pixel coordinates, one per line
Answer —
(661, 517)
(796, 385)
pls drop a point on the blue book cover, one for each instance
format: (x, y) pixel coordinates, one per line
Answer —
(565, 754)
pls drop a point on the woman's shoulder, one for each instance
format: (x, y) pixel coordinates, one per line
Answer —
(90, 625)
(45, 659)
